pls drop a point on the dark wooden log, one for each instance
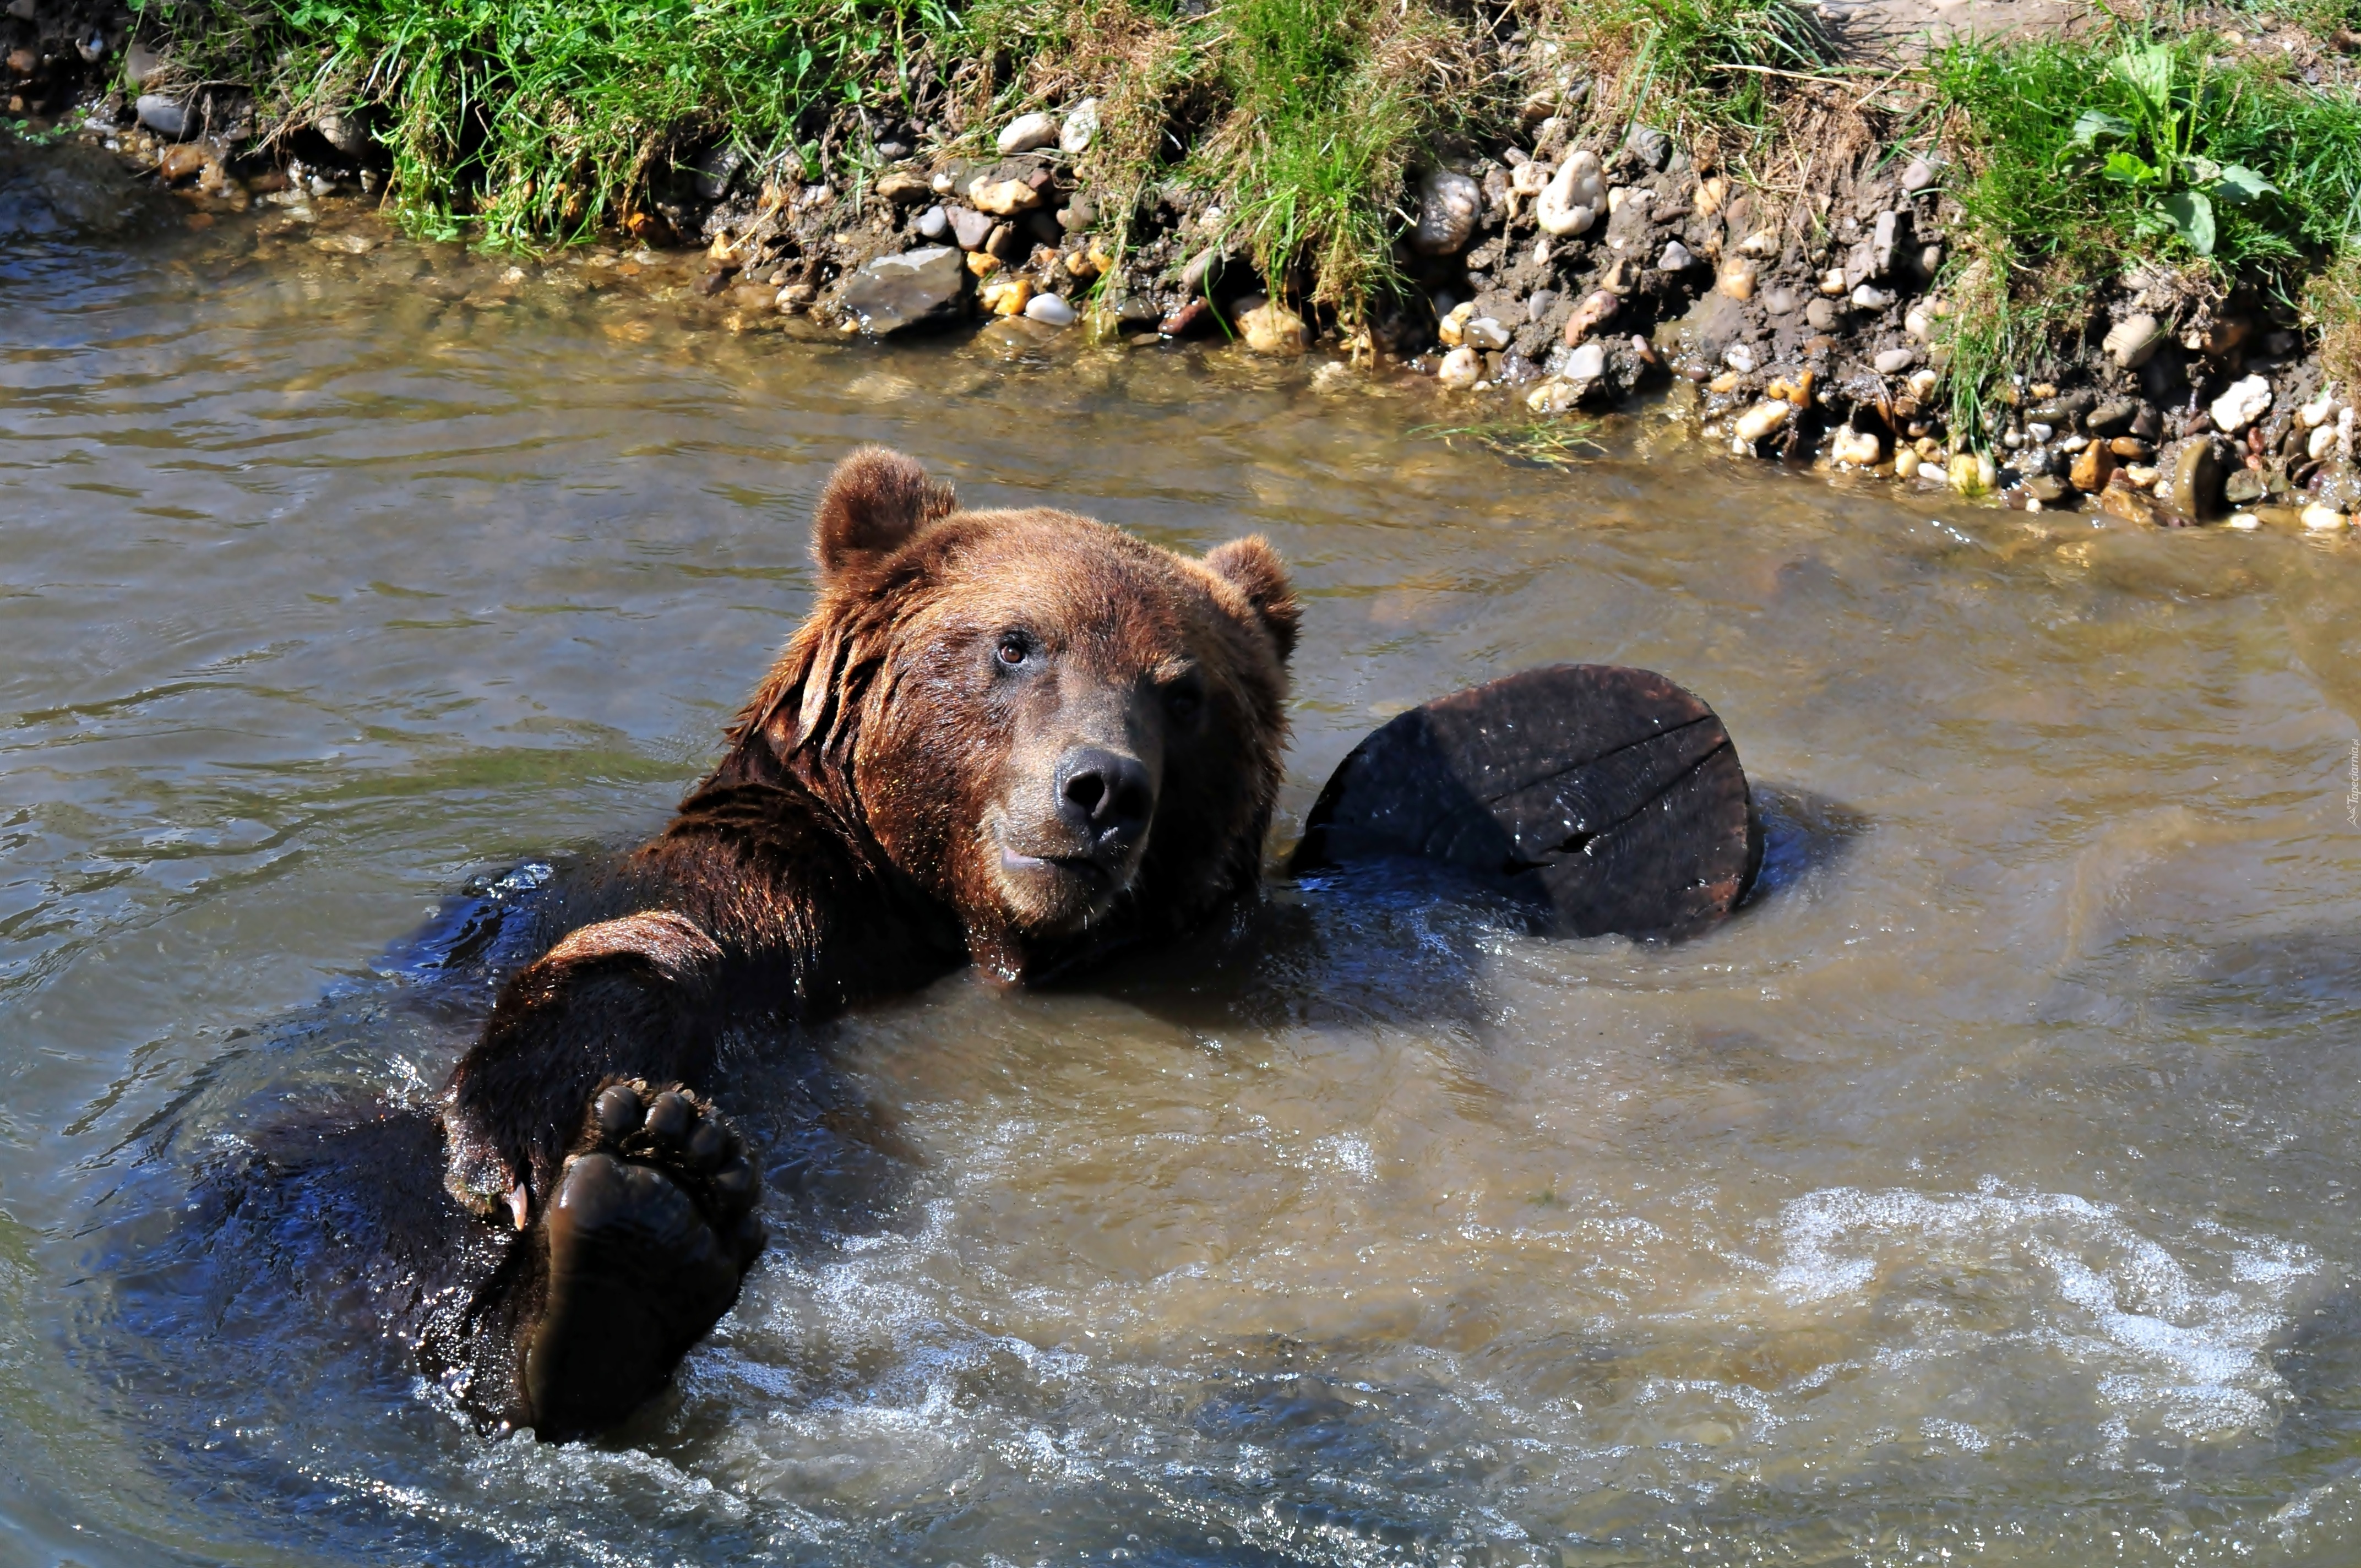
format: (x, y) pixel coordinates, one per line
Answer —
(1608, 796)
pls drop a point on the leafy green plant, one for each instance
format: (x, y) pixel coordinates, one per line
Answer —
(2080, 157)
(2154, 153)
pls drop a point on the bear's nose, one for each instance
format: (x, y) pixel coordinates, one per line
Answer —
(1104, 795)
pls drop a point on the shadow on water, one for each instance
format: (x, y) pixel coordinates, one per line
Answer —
(53, 197)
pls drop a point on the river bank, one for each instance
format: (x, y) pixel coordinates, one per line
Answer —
(2107, 271)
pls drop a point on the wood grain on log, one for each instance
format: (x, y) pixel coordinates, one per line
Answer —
(1609, 795)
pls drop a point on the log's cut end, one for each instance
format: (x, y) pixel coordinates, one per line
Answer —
(1609, 795)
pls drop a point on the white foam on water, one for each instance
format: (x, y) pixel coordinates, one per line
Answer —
(2172, 1338)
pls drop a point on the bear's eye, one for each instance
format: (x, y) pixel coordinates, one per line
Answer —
(1184, 698)
(1015, 646)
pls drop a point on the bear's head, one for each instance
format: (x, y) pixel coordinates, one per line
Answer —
(1069, 737)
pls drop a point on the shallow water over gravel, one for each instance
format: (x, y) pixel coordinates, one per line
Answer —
(1983, 1194)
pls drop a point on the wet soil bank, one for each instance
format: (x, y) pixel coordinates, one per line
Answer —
(1552, 273)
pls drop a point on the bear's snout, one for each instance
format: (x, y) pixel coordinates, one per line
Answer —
(1106, 798)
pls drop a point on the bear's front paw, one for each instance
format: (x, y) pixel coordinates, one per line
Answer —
(651, 1226)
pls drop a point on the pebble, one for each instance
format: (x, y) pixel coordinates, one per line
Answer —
(1587, 363)
(163, 115)
(1050, 309)
(1553, 397)
(1675, 258)
(2092, 466)
(1972, 473)
(2197, 480)
(2109, 418)
(1779, 301)
(1761, 421)
(933, 222)
(1906, 463)
(1737, 279)
(2133, 341)
(2245, 522)
(1881, 242)
(1895, 361)
(2140, 476)
(1569, 204)
(1483, 331)
(970, 228)
(1740, 358)
(2039, 432)
(1082, 125)
(1004, 198)
(1923, 384)
(1859, 448)
(1539, 305)
(2320, 518)
(1868, 299)
(1028, 132)
(2320, 442)
(2132, 447)
(1596, 309)
(1448, 203)
(1916, 323)
(1761, 243)
(2246, 402)
(903, 188)
(181, 163)
(1455, 323)
(1832, 282)
(916, 289)
(1917, 175)
(2318, 412)
(1461, 369)
(1272, 328)
(1007, 296)
(1822, 315)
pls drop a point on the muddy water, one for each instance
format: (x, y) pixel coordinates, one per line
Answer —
(1984, 1193)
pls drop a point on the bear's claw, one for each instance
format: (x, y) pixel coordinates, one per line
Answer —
(651, 1228)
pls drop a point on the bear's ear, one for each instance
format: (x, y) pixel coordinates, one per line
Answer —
(1255, 569)
(876, 501)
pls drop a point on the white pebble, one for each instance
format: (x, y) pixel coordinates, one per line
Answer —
(1761, 421)
(1050, 311)
(2320, 518)
(2040, 431)
(1675, 259)
(1868, 299)
(1461, 369)
(1893, 361)
(2320, 442)
(1858, 447)
(1027, 132)
(1740, 358)
(1082, 125)
(2242, 520)
(2246, 402)
(1586, 363)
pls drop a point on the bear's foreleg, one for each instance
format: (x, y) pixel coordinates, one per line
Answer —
(623, 999)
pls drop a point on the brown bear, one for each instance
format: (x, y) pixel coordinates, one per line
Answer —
(1016, 739)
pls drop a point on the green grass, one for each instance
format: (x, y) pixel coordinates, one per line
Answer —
(529, 120)
(1552, 443)
(2085, 156)
(1329, 103)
